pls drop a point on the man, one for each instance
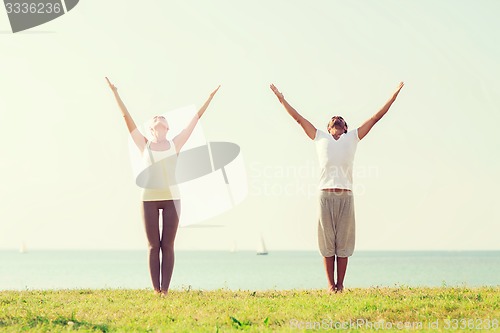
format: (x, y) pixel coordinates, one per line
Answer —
(336, 149)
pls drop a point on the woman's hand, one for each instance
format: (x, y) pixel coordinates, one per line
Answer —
(111, 85)
(212, 94)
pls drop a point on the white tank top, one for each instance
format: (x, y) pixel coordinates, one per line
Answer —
(167, 191)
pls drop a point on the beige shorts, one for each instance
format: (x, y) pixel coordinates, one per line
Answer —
(336, 227)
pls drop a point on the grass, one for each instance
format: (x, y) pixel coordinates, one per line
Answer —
(443, 309)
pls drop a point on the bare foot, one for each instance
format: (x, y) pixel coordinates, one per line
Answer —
(339, 288)
(164, 293)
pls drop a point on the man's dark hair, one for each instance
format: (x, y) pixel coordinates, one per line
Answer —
(330, 123)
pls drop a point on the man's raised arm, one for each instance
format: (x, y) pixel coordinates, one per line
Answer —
(367, 125)
(303, 122)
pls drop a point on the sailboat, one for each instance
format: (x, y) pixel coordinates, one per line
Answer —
(233, 247)
(23, 248)
(261, 248)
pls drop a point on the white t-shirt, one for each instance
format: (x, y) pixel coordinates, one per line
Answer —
(336, 159)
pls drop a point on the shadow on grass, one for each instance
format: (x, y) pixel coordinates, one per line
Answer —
(76, 324)
(71, 323)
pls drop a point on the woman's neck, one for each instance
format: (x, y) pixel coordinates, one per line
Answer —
(159, 137)
(157, 140)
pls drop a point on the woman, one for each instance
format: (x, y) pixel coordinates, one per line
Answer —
(162, 198)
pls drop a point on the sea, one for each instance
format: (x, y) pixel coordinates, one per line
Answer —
(245, 270)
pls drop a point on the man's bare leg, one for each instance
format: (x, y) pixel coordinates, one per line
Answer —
(330, 272)
(341, 269)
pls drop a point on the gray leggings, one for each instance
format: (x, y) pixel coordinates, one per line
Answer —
(170, 217)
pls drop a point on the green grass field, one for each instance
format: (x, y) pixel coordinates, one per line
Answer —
(365, 310)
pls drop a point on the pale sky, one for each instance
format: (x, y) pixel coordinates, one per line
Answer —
(425, 177)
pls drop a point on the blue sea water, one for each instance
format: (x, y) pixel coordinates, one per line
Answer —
(245, 270)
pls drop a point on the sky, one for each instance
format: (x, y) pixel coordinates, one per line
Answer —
(425, 176)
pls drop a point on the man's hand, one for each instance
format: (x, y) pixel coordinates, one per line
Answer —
(367, 125)
(398, 89)
(303, 122)
(277, 93)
